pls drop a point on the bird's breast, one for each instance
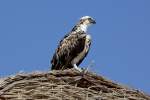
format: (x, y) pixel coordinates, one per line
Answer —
(82, 54)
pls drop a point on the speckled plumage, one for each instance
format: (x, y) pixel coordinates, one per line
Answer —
(73, 48)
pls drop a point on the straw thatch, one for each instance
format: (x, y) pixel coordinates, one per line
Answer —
(65, 85)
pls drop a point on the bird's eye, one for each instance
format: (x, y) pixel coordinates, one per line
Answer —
(89, 18)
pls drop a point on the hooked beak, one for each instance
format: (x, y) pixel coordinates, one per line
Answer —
(93, 21)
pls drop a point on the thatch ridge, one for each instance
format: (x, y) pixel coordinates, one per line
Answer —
(65, 85)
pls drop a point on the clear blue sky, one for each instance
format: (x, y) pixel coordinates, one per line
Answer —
(31, 29)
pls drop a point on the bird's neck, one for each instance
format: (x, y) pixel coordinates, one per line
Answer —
(83, 27)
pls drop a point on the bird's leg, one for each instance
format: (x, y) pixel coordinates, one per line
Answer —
(77, 68)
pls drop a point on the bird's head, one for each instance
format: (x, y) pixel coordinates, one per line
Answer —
(85, 21)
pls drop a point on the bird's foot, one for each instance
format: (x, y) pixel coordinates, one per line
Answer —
(77, 68)
(85, 70)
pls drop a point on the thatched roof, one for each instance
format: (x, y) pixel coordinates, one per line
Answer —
(65, 85)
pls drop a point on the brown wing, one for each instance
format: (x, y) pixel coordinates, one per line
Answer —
(88, 48)
(69, 47)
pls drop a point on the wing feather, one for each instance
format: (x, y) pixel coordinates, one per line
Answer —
(69, 47)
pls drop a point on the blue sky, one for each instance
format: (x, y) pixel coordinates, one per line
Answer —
(31, 29)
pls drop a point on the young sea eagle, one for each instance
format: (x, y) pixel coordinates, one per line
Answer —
(74, 47)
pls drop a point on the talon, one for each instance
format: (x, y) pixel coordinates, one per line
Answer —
(77, 68)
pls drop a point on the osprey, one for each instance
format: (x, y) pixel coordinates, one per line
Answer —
(74, 47)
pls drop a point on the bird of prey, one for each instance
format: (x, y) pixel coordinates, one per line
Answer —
(73, 48)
